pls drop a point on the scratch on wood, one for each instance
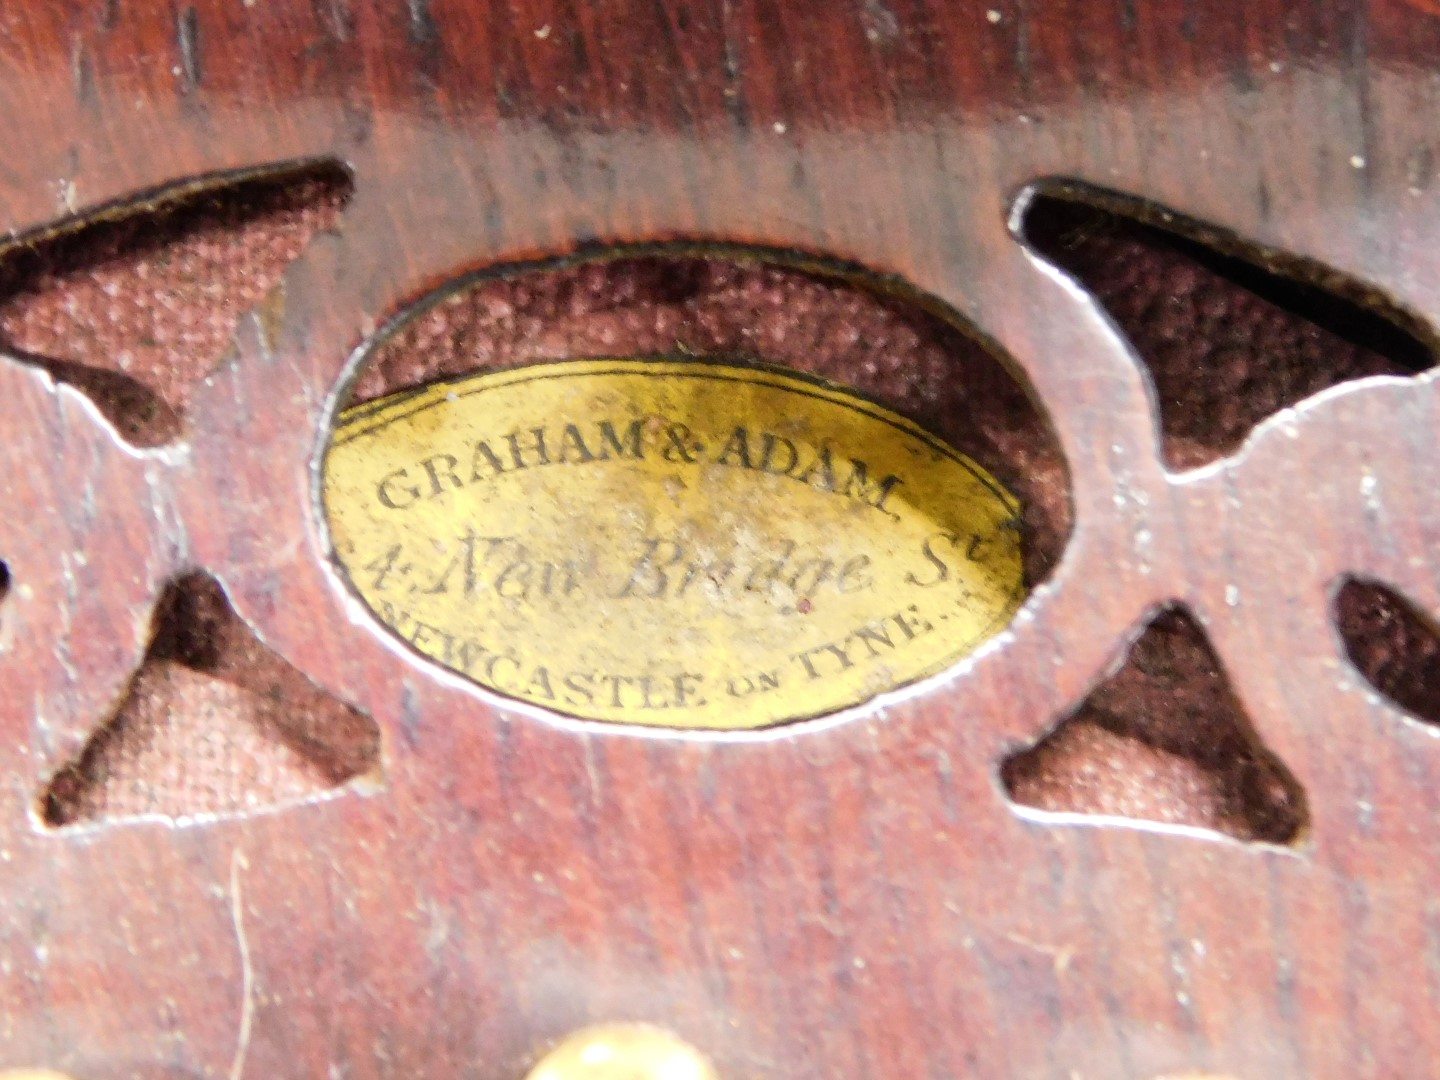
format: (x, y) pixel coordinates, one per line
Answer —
(81, 72)
(731, 90)
(341, 21)
(67, 192)
(422, 23)
(882, 26)
(187, 33)
(592, 772)
(247, 972)
(1060, 955)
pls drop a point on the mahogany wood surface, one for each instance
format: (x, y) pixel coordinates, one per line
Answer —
(851, 898)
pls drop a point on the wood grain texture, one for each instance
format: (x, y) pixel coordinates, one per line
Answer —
(852, 899)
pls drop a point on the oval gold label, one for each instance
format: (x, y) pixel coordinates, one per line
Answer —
(674, 543)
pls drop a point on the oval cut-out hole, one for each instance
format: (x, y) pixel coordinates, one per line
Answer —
(617, 489)
(1230, 335)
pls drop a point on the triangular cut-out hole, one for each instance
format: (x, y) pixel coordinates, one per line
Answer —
(1393, 644)
(214, 722)
(1228, 340)
(134, 306)
(1163, 739)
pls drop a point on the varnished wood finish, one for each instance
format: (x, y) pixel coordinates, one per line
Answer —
(854, 900)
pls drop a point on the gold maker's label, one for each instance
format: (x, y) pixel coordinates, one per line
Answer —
(674, 543)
